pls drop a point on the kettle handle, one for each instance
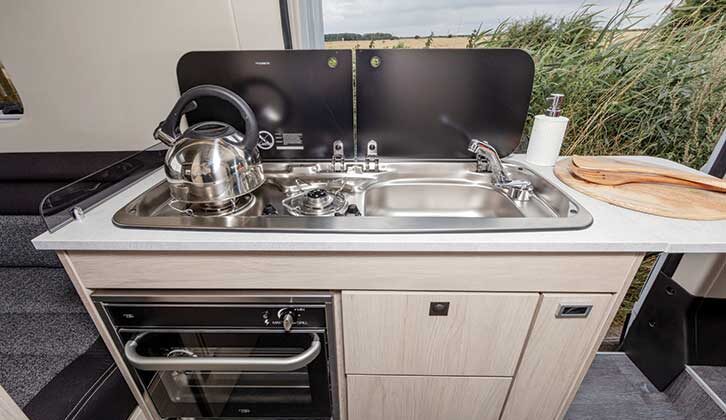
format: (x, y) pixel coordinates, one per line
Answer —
(168, 130)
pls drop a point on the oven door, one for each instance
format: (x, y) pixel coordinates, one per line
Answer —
(232, 374)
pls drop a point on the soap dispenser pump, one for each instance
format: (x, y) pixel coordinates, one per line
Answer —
(548, 132)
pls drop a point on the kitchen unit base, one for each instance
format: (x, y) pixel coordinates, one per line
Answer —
(521, 328)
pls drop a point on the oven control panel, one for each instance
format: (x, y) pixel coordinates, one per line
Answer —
(287, 317)
(267, 316)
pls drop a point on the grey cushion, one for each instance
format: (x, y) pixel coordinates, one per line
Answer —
(37, 290)
(23, 376)
(34, 347)
(16, 250)
(31, 334)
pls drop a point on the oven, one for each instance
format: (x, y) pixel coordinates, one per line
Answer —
(212, 355)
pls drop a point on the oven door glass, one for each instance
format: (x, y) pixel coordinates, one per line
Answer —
(233, 374)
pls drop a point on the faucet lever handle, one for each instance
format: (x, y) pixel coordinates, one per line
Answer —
(474, 145)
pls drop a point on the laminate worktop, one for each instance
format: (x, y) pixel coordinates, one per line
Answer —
(614, 229)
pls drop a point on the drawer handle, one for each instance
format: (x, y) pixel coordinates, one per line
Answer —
(573, 311)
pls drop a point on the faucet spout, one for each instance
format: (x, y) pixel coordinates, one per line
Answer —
(488, 160)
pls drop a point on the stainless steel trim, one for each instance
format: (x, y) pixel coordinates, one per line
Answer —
(211, 305)
(188, 329)
(544, 207)
(246, 364)
(365, 224)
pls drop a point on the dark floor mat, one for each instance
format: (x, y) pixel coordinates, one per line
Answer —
(614, 389)
(39, 334)
(37, 290)
(91, 387)
(690, 398)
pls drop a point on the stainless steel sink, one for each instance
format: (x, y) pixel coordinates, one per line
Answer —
(402, 197)
(447, 198)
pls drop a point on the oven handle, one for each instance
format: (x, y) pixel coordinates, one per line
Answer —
(248, 364)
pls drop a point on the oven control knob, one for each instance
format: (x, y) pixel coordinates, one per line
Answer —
(287, 321)
(287, 316)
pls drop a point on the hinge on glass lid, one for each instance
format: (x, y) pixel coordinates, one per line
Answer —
(371, 156)
(338, 157)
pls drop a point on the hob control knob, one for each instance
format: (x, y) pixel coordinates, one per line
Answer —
(269, 210)
(287, 321)
(352, 210)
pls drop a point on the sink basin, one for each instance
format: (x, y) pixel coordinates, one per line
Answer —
(411, 198)
(402, 197)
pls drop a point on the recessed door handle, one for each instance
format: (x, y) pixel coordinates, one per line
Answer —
(573, 311)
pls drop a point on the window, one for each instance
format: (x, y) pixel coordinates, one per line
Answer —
(361, 24)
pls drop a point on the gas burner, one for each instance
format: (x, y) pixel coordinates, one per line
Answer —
(319, 201)
(225, 208)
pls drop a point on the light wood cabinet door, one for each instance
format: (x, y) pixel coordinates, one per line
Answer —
(558, 349)
(393, 333)
(425, 397)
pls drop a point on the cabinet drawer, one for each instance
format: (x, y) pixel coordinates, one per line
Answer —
(425, 397)
(394, 333)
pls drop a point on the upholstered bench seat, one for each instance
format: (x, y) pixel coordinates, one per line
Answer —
(52, 362)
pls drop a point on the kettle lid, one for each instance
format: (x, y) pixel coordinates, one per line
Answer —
(212, 130)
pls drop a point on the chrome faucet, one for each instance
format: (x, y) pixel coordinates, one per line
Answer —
(487, 160)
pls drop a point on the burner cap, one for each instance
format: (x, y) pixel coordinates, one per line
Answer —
(317, 193)
(224, 208)
(315, 202)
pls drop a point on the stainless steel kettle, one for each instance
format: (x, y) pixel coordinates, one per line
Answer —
(211, 163)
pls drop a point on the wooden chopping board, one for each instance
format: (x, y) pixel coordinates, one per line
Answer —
(608, 164)
(658, 199)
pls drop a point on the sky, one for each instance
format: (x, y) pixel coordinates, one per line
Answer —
(420, 17)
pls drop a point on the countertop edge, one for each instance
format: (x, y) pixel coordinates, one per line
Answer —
(516, 247)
